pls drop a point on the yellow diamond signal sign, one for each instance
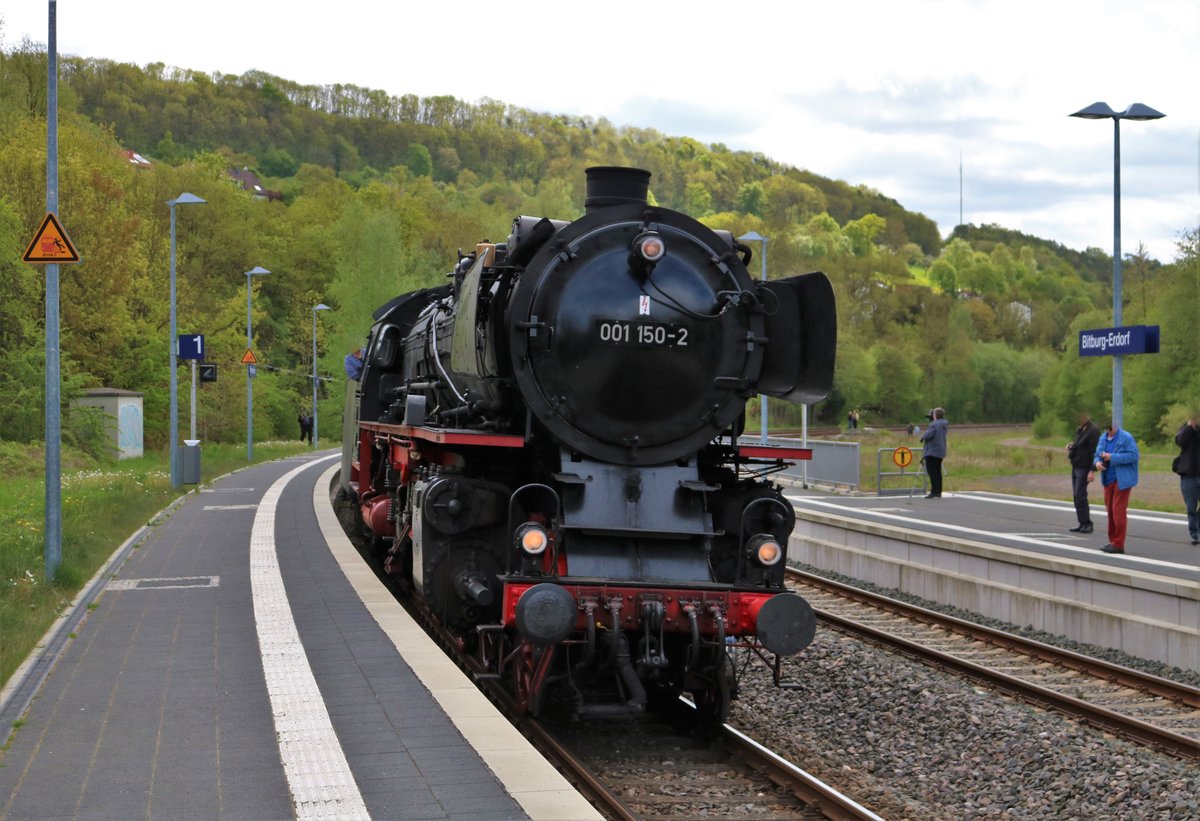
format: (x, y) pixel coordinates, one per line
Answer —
(51, 244)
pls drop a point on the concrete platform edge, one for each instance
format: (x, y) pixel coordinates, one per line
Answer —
(1136, 612)
(541, 790)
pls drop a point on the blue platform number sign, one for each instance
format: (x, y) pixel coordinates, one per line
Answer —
(191, 346)
(1123, 341)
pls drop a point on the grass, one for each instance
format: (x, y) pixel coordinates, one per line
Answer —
(102, 506)
(1006, 460)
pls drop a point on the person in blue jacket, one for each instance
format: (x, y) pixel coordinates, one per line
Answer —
(1116, 460)
(934, 441)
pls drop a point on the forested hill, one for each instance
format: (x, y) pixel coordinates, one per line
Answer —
(379, 192)
(276, 125)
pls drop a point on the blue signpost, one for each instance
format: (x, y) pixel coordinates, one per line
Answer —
(191, 346)
(1122, 341)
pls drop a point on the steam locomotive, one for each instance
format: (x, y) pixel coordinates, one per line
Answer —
(546, 450)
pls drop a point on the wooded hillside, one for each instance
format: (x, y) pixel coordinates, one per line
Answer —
(379, 193)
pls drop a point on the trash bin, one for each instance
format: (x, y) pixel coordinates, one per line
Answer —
(190, 461)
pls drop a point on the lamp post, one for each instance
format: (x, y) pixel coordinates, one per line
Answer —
(257, 270)
(173, 342)
(754, 236)
(321, 307)
(1101, 111)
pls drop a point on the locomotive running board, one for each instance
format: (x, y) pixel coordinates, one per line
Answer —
(774, 452)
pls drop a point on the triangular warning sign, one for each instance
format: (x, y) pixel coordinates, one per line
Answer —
(51, 243)
(248, 358)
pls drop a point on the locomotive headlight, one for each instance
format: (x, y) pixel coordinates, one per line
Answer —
(766, 549)
(532, 538)
(650, 246)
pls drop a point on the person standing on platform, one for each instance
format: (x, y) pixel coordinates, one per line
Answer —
(1187, 465)
(305, 427)
(934, 439)
(1080, 452)
(1116, 460)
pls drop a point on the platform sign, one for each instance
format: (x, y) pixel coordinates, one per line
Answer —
(190, 346)
(1123, 341)
(902, 457)
(50, 244)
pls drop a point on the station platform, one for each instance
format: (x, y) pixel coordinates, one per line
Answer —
(238, 660)
(1014, 558)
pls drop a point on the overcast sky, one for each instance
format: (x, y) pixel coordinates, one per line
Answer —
(884, 93)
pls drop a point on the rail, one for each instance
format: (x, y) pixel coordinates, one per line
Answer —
(1165, 706)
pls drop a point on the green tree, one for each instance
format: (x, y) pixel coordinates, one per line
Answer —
(418, 160)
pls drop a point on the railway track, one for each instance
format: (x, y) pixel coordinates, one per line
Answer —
(651, 767)
(646, 768)
(1142, 707)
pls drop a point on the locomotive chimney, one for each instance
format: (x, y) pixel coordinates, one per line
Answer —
(609, 185)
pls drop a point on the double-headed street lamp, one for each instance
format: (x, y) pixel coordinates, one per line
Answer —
(321, 307)
(173, 342)
(255, 271)
(1101, 111)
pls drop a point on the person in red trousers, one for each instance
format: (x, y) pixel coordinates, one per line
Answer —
(1116, 461)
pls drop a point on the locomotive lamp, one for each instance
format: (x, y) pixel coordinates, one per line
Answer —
(1101, 111)
(173, 343)
(766, 550)
(648, 249)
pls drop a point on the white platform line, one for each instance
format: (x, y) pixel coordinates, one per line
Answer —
(230, 507)
(1084, 552)
(1069, 507)
(318, 774)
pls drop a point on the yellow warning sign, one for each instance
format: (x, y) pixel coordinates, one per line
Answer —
(51, 244)
(248, 358)
(902, 457)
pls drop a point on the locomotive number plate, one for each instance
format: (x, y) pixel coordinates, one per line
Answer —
(640, 334)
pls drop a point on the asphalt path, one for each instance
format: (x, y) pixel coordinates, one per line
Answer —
(1155, 542)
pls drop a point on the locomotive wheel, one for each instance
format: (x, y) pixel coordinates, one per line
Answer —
(712, 703)
(529, 677)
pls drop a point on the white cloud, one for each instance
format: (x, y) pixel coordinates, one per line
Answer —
(880, 93)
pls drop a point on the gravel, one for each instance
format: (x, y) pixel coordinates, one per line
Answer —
(909, 741)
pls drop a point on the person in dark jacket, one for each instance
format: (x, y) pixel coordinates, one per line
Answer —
(1116, 461)
(934, 439)
(1188, 468)
(305, 427)
(1080, 451)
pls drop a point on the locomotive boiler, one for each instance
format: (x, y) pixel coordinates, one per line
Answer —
(545, 449)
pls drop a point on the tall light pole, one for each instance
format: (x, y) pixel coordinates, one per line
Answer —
(1101, 111)
(321, 307)
(257, 270)
(754, 236)
(173, 341)
(52, 551)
